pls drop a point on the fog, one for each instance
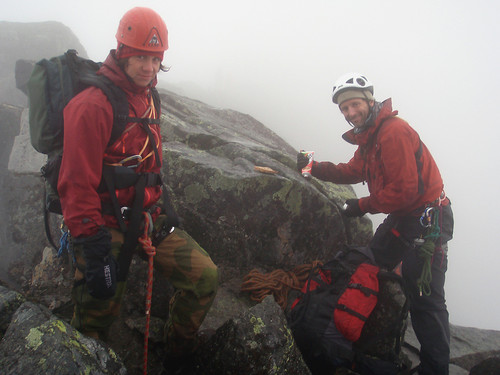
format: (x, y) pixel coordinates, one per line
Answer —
(277, 61)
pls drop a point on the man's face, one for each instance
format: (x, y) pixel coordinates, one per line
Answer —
(142, 69)
(356, 110)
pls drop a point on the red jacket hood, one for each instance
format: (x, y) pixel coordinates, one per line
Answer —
(116, 74)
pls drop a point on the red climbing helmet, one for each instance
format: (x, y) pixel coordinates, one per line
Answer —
(143, 29)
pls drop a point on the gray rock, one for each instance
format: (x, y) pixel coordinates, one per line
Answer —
(242, 217)
(256, 342)
(9, 303)
(490, 366)
(38, 342)
(24, 158)
(472, 360)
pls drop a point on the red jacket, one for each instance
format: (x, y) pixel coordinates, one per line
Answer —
(398, 168)
(88, 120)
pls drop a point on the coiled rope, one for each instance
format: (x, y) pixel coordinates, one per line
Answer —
(150, 250)
(278, 282)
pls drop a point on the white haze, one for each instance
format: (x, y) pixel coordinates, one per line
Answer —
(278, 60)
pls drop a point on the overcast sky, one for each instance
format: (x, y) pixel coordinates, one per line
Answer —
(278, 60)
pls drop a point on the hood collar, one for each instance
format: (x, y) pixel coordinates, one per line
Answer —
(116, 74)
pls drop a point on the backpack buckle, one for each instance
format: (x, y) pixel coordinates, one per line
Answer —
(126, 212)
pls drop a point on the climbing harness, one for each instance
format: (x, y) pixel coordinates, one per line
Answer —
(150, 250)
(430, 219)
(278, 282)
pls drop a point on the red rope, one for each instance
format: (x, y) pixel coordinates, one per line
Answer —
(278, 282)
(150, 250)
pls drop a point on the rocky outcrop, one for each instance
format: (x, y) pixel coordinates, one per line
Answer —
(242, 216)
(29, 41)
(258, 341)
(38, 342)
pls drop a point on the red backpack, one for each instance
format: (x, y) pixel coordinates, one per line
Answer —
(358, 300)
(328, 317)
(343, 290)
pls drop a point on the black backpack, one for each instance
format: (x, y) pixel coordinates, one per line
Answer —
(338, 302)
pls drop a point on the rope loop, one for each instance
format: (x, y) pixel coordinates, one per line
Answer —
(278, 283)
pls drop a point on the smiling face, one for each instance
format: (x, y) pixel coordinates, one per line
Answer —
(142, 69)
(356, 111)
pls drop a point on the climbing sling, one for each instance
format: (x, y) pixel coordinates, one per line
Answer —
(432, 220)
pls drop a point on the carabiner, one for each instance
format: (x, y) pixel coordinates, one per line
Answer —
(426, 218)
(129, 158)
(442, 197)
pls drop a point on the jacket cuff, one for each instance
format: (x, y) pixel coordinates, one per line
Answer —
(315, 164)
(364, 204)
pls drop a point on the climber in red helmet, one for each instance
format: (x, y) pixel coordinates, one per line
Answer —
(99, 239)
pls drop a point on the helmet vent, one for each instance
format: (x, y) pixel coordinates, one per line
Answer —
(361, 82)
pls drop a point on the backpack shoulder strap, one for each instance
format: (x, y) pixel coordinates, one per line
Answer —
(119, 103)
(118, 100)
(156, 100)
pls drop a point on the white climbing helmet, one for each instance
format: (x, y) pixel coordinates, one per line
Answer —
(352, 81)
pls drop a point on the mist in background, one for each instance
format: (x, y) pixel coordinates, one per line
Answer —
(278, 60)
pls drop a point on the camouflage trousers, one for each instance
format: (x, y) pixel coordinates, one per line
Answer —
(181, 260)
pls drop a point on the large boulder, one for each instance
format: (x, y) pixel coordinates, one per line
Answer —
(38, 342)
(242, 216)
(258, 341)
(9, 303)
(490, 366)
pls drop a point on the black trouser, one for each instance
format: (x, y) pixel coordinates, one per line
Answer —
(429, 314)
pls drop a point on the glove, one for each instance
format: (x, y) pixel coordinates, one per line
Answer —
(352, 209)
(101, 266)
(302, 161)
